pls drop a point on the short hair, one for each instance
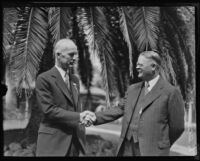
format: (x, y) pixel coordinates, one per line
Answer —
(152, 55)
(65, 44)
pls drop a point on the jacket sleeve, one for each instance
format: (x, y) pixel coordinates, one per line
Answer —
(112, 113)
(50, 109)
(176, 115)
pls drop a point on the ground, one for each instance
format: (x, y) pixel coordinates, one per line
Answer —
(101, 141)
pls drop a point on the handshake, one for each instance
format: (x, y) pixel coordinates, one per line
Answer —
(87, 118)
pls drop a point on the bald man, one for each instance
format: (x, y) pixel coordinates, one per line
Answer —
(57, 91)
(153, 112)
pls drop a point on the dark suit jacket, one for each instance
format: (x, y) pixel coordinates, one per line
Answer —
(161, 121)
(61, 114)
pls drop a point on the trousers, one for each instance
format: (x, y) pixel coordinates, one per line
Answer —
(129, 148)
(74, 149)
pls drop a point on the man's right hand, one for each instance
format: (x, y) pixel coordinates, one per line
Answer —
(87, 118)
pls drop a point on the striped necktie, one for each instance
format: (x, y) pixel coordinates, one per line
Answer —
(146, 90)
(67, 80)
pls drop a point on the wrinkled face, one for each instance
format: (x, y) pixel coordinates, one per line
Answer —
(65, 58)
(145, 68)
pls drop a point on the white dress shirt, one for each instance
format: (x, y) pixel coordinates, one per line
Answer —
(62, 72)
(153, 82)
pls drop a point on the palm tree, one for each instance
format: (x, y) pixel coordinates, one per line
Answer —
(116, 35)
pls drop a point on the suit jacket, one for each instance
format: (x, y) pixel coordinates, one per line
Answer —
(61, 110)
(161, 120)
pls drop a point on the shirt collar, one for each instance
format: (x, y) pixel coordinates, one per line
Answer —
(153, 82)
(62, 72)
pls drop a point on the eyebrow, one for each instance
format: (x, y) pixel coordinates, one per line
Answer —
(73, 53)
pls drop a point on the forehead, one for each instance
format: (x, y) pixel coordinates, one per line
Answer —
(65, 47)
(66, 52)
(143, 60)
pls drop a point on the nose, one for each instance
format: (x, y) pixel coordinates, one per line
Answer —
(75, 57)
(138, 68)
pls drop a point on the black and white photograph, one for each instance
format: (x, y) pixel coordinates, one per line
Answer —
(99, 79)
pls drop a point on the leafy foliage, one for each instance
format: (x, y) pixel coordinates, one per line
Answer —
(115, 34)
(29, 43)
(60, 22)
(145, 26)
(85, 65)
(96, 28)
(10, 19)
(126, 30)
(177, 43)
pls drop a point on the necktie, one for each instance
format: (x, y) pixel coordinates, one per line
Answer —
(146, 90)
(67, 80)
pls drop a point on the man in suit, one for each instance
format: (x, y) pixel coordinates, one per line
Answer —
(57, 90)
(152, 110)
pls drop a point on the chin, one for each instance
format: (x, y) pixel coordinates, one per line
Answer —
(65, 67)
(140, 76)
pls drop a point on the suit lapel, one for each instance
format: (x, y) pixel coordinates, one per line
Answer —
(61, 84)
(133, 97)
(153, 94)
(74, 92)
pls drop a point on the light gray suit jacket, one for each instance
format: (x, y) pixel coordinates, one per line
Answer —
(161, 121)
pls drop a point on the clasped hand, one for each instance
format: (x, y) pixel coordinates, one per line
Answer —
(87, 118)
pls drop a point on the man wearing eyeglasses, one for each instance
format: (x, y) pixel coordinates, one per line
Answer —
(61, 132)
(152, 110)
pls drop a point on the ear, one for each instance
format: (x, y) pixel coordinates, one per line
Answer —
(153, 65)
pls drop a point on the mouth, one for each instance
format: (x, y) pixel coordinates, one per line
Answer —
(72, 62)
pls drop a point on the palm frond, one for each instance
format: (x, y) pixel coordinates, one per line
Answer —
(145, 26)
(9, 28)
(60, 22)
(31, 38)
(167, 61)
(191, 85)
(177, 23)
(127, 30)
(120, 50)
(85, 65)
(97, 33)
(186, 29)
(85, 21)
(9, 25)
(180, 66)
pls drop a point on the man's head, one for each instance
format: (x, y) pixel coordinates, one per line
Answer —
(65, 52)
(148, 65)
